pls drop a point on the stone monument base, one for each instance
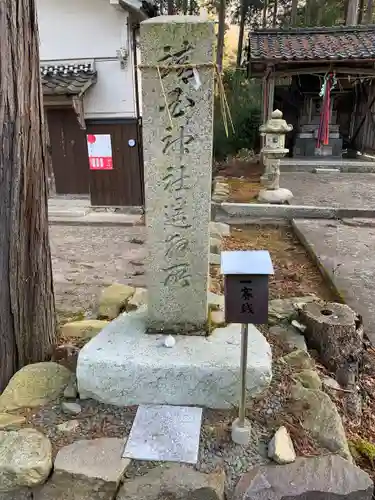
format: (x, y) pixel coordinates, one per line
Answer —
(124, 366)
(277, 196)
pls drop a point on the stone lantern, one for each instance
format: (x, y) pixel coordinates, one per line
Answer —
(274, 131)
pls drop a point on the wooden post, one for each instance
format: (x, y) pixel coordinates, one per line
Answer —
(271, 95)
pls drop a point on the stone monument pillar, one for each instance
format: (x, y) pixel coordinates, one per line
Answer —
(274, 131)
(177, 98)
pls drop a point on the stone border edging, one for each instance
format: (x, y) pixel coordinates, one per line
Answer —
(240, 213)
(327, 275)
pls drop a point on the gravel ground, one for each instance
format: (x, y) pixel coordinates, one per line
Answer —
(216, 450)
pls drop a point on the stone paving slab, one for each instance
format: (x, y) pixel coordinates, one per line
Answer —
(87, 258)
(345, 252)
(331, 190)
(165, 433)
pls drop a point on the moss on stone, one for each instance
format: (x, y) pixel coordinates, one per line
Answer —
(365, 449)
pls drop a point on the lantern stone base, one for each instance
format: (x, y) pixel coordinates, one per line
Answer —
(124, 366)
(277, 196)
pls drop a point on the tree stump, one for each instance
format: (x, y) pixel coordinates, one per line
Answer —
(332, 329)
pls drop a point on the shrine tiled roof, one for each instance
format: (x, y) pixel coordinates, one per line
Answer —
(67, 79)
(337, 43)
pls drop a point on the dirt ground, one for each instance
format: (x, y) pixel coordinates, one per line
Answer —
(295, 274)
(86, 259)
(243, 178)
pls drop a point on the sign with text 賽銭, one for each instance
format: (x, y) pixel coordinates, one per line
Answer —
(100, 151)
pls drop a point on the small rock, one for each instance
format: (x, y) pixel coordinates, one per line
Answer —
(215, 301)
(25, 458)
(215, 245)
(136, 241)
(69, 426)
(298, 325)
(281, 449)
(85, 329)
(215, 259)
(66, 355)
(139, 299)
(35, 385)
(219, 229)
(174, 482)
(113, 300)
(217, 318)
(353, 404)
(70, 391)
(327, 477)
(331, 383)
(347, 374)
(319, 415)
(286, 309)
(299, 360)
(87, 470)
(8, 420)
(71, 408)
(290, 337)
(169, 341)
(309, 379)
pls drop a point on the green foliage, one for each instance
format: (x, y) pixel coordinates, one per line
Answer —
(244, 99)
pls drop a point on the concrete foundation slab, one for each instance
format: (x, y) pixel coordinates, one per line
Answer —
(344, 253)
(125, 366)
(165, 433)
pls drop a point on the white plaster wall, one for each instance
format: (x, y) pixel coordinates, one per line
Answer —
(91, 29)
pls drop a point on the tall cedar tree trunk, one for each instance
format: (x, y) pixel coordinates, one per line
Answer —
(293, 15)
(368, 18)
(264, 14)
(170, 7)
(241, 32)
(220, 36)
(274, 14)
(352, 13)
(361, 11)
(27, 316)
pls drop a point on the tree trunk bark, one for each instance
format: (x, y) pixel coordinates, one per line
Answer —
(274, 14)
(368, 18)
(361, 11)
(220, 36)
(27, 318)
(352, 14)
(264, 16)
(241, 33)
(170, 6)
(293, 15)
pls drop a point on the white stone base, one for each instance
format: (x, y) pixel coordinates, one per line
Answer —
(125, 366)
(278, 196)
